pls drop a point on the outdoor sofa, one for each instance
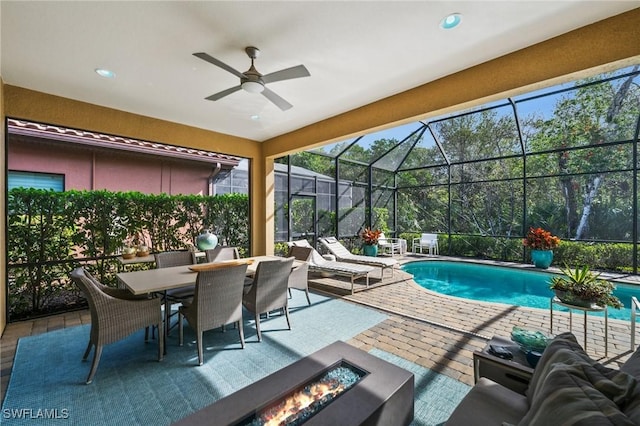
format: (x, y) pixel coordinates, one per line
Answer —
(567, 388)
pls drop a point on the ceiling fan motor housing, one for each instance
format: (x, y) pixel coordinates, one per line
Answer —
(254, 82)
(253, 52)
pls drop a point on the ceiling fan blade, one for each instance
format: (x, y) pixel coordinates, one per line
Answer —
(277, 100)
(218, 63)
(222, 94)
(286, 74)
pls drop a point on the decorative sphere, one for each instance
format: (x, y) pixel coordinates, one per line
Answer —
(206, 240)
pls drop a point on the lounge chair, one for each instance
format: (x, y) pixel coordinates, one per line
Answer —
(317, 263)
(342, 254)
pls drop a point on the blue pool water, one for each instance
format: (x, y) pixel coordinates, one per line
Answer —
(497, 284)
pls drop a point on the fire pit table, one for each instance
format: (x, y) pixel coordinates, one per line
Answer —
(337, 385)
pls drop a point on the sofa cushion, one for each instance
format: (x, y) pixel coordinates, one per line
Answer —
(577, 392)
(632, 408)
(632, 367)
(489, 403)
(563, 348)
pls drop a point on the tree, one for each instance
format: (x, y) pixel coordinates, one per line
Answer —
(590, 118)
(482, 201)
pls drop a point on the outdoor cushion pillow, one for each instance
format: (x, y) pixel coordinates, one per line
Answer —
(577, 393)
(564, 347)
(121, 293)
(632, 367)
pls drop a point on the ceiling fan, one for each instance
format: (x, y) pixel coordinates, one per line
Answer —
(254, 82)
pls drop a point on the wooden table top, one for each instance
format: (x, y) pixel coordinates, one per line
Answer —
(159, 280)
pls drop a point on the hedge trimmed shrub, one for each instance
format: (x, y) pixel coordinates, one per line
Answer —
(49, 233)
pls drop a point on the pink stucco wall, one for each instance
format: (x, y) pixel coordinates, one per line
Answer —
(97, 168)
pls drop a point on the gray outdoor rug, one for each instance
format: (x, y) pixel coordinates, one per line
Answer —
(132, 388)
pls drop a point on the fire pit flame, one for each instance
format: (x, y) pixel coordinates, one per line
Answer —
(298, 407)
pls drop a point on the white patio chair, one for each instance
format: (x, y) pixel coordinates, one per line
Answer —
(428, 241)
(391, 245)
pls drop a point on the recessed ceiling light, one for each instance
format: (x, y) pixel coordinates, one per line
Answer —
(105, 73)
(255, 117)
(451, 21)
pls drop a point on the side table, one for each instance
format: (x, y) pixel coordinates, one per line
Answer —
(122, 262)
(585, 310)
(514, 374)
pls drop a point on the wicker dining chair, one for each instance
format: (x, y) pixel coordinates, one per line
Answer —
(217, 301)
(299, 278)
(268, 292)
(221, 253)
(115, 314)
(170, 259)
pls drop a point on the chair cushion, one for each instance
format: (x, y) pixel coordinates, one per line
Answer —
(337, 248)
(575, 392)
(121, 293)
(342, 267)
(563, 348)
(632, 367)
(320, 264)
(316, 258)
(568, 387)
(489, 403)
(181, 293)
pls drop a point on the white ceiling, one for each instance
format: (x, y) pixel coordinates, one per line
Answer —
(356, 51)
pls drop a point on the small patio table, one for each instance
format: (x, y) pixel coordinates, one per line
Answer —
(584, 309)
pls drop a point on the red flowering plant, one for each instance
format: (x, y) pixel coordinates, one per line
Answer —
(539, 239)
(370, 236)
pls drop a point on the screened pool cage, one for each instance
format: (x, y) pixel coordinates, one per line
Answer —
(563, 158)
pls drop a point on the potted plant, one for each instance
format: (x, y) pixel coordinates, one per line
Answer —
(370, 241)
(582, 287)
(129, 252)
(541, 243)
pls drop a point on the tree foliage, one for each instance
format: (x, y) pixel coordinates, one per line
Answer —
(561, 159)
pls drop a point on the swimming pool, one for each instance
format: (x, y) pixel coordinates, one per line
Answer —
(497, 284)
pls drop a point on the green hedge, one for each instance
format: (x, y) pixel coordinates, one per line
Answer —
(613, 257)
(49, 233)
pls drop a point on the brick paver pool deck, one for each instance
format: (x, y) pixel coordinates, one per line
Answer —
(433, 330)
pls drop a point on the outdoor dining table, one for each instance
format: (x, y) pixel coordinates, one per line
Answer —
(163, 279)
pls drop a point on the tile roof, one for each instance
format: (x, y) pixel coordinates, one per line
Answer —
(57, 133)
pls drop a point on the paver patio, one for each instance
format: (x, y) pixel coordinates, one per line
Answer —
(435, 331)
